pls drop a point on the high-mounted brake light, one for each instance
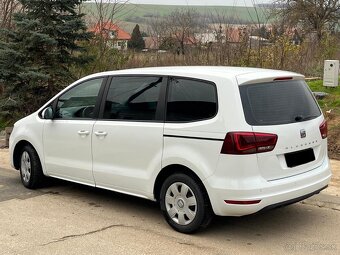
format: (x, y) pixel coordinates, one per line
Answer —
(323, 129)
(241, 143)
(283, 78)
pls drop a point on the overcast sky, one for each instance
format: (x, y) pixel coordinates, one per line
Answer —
(202, 2)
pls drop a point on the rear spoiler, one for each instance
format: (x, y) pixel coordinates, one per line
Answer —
(268, 76)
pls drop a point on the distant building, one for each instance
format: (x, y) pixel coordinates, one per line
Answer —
(231, 34)
(206, 38)
(257, 41)
(116, 37)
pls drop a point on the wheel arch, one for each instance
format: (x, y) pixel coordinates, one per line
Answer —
(16, 152)
(172, 169)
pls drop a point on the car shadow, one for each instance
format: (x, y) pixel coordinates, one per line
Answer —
(277, 222)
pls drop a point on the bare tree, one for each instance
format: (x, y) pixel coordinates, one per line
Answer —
(259, 22)
(108, 11)
(221, 26)
(314, 15)
(182, 25)
(103, 13)
(179, 25)
(158, 29)
(7, 8)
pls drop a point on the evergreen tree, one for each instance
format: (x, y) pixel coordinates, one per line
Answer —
(36, 56)
(137, 41)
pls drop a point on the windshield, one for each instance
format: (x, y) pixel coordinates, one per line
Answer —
(276, 103)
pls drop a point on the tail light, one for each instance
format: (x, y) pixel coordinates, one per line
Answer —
(248, 143)
(323, 129)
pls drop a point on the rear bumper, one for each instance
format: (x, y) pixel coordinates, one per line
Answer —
(292, 201)
(271, 193)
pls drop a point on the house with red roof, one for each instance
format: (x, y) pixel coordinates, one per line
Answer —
(116, 37)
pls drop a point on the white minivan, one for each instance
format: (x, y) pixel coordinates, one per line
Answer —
(199, 140)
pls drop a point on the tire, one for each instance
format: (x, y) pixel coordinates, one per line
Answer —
(31, 172)
(185, 204)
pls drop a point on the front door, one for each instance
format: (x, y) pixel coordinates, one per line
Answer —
(67, 138)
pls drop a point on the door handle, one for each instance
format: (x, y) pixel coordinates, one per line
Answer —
(100, 133)
(83, 132)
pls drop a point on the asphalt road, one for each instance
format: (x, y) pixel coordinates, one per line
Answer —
(66, 218)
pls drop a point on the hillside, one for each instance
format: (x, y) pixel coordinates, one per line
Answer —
(141, 13)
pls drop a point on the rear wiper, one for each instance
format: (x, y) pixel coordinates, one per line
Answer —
(300, 118)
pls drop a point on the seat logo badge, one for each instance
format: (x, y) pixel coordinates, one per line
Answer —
(303, 133)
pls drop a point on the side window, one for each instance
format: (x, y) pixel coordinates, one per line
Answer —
(133, 98)
(79, 102)
(191, 100)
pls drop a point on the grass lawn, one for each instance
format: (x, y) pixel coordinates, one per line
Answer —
(317, 85)
(330, 102)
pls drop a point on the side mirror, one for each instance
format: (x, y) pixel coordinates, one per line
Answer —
(47, 114)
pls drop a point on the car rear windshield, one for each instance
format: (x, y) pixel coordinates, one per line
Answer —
(280, 102)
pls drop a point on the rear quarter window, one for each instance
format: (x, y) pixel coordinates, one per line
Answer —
(276, 103)
(191, 100)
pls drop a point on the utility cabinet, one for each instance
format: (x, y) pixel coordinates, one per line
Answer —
(331, 73)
